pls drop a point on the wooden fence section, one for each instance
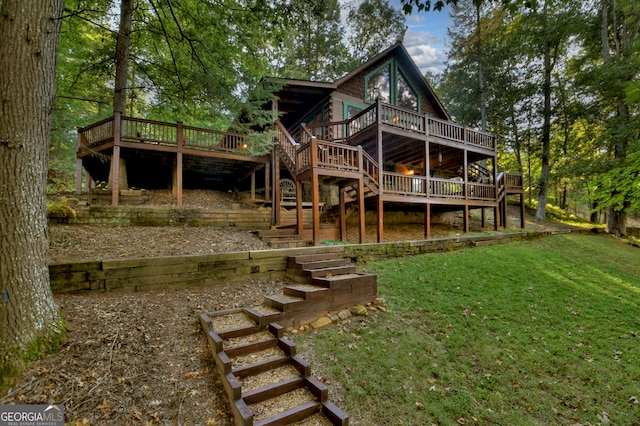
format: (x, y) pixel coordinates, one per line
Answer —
(177, 272)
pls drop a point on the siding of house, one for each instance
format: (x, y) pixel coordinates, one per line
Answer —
(355, 86)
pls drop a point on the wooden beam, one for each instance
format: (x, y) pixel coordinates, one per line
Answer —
(180, 142)
(380, 218)
(427, 221)
(253, 185)
(522, 211)
(315, 202)
(276, 187)
(495, 219)
(299, 217)
(267, 184)
(466, 218)
(343, 215)
(115, 160)
(361, 212)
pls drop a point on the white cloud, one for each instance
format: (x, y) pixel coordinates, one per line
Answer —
(426, 49)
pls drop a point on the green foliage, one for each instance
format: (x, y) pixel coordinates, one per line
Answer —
(375, 25)
(60, 208)
(619, 187)
(13, 361)
(523, 333)
(314, 47)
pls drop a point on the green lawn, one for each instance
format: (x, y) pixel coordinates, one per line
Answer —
(542, 332)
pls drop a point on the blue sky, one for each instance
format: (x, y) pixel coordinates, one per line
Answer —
(426, 37)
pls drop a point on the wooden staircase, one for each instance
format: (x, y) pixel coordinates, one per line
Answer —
(265, 380)
(283, 238)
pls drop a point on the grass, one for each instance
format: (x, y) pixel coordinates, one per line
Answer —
(533, 333)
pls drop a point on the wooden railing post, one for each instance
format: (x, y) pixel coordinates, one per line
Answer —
(314, 152)
(360, 160)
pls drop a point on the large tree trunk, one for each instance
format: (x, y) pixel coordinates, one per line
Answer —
(543, 188)
(122, 57)
(616, 218)
(29, 317)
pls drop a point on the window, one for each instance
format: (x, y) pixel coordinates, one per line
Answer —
(390, 84)
(407, 97)
(379, 84)
(350, 110)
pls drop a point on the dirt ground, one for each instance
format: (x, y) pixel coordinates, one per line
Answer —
(142, 358)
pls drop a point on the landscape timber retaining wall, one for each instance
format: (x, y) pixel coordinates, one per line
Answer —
(241, 219)
(176, 272)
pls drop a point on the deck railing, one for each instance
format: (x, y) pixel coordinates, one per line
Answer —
(481, 191)
(513, 181)
(446, 188)
(399, 184)
(97, 133)
(412, 121)
(153, 132)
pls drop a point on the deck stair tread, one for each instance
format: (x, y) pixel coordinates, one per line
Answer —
(267, 383)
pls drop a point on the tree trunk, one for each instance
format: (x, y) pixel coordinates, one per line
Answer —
(616, 218)
(29, 317)
(483, 96)
(541, 212)
(122, 57)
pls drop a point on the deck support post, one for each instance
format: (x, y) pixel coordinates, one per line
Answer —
(79, 164)
(267, 184)
(180, 145)
(522, 211)
(361, 212)
(427, 221)
(484, 218)
(315, 202)
(343, 215)
(115, 160)
(253, 185)
(299, 217)
(466, 218)
(495, 219)
(276, 188)
(505, 217)
(380, 217)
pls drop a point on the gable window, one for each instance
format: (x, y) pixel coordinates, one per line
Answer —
(406, 96)
(379, 84)
(390, 84)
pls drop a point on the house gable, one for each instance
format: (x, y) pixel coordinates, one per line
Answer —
(392, 76)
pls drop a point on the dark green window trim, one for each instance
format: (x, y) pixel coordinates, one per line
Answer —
(345, 108)
(394, 69)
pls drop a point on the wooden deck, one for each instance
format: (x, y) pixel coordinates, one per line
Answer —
(346, 153)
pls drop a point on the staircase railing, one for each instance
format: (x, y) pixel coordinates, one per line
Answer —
(478, 173)
(370, 167)
(287, 146)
